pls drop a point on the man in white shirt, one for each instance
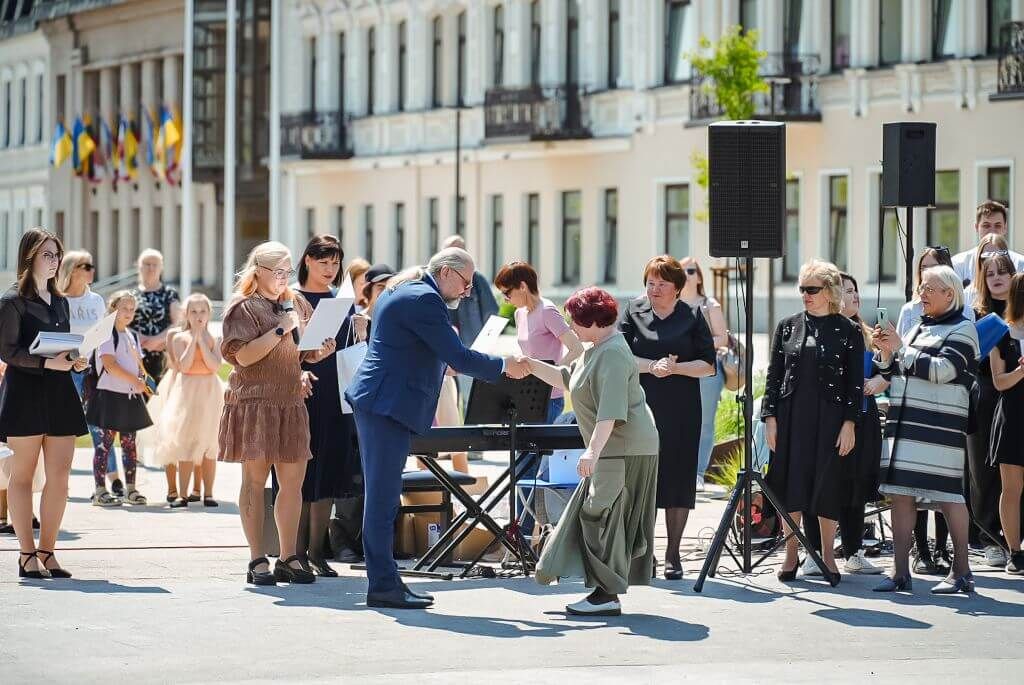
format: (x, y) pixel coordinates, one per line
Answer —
(990, 217)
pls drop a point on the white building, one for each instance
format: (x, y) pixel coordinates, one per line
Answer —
(24, 138)
(579, 120)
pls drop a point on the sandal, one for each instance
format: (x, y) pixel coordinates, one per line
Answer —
(6, 528)
(135, 498)
(210, 502)
(105, 499)
(171, 496)
(22, 573)
(259, 577)
(321, 568)
(54, 572)
(194, 497)
(178, 503)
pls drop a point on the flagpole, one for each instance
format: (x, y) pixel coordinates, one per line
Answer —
(229, 154)
(187, 210)
(275, 120)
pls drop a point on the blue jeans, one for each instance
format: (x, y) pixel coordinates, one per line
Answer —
(533, 470)
(710, 394)
(95, 432)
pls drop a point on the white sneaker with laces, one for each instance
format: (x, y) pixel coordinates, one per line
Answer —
(810, 568)
(858, 563)
(585, 608)
(995, 556)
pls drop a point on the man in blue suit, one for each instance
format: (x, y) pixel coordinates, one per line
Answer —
(394, 394)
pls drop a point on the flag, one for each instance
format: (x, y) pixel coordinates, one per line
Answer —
(127, 150)
(82, 147)
(103, 154)
(169, 143)
(61, 148)
(153, 161)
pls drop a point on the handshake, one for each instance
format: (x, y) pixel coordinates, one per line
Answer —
(517, 366)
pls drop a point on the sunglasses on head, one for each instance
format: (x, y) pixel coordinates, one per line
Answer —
(811, 289)
(942, 249)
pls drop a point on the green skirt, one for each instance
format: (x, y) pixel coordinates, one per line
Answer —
(606, 533)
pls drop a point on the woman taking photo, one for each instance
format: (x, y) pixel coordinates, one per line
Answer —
(333, 472)
(1007, 361)
(983, 486)
(265, 422)
(812, 404)
(39, 408)
(158, 310)
(673, 349)
(118, 408)
(931, 371)
(710, 386)
(606, 533)
(187, 410)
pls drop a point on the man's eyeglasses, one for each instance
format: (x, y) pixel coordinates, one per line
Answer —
(811, 289)
(279, 273)
(467, 283)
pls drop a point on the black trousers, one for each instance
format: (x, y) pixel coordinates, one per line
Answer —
(851, 529)
(982, 483)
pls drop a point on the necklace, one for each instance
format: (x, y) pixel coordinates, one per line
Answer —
(812, 331)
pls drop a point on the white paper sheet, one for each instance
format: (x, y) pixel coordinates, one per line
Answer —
(97, 335)
(488, 337)
(325, 322)
(345, 290)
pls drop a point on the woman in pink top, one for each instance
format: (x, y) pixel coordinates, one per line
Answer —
(541, 329)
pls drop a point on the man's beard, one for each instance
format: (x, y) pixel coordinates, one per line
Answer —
(453, 303)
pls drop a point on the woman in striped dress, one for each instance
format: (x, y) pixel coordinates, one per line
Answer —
(932, 369)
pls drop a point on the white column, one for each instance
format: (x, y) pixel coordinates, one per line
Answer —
(517, 43)
(864, 33)
(208, 237)
(187, 191)
(107, 262)
(921, 45)
(385, 90)
(75, 216)
(228, 266)
(484, 49)
(147, 187)
(327, 63)
(170, 230)
(420, 55)
(975, 29)
(908, 31)
(356, 64)
(476, 30)
(275, 120)
(129, 98)
(630, 22)
(769, 20)
(450, 63)
(594, 48)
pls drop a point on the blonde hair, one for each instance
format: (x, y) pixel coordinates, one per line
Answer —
(830, 277)
(267, 255)
(194, 297)
(72, 260)
(950, 280)
(117, 296)
(357, 267)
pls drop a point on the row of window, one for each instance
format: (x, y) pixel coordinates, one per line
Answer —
(12, 225)
(16, 96)
(679, 37)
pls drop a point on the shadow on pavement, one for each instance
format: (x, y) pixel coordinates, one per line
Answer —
(95, 587)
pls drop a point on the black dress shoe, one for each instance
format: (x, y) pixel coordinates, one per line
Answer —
(347, 555)
(420, 595)
(284, 573)
(398, 598)
(321, 567)
(259, 577)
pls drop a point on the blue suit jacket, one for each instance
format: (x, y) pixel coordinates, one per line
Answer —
(411, 342)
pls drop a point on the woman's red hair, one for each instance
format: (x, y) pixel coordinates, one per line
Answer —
(592, 306)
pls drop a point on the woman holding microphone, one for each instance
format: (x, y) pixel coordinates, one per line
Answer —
(265, 422)
(39, 406)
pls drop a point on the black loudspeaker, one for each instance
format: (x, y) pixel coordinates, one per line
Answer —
(747, 188)
(908, 164)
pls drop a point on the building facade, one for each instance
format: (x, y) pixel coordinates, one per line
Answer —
(577, 121)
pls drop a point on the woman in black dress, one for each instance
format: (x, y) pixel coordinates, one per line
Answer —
(159, 308)
(333, 472)
(812, 404)
(39, 406)
(673, 349)
(1008, 425)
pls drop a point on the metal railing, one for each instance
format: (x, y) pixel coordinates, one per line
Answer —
(792, 96)
(315, 135)
(1010, 69)
(536, 113)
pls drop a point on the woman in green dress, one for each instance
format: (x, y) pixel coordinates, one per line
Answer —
(606, 534)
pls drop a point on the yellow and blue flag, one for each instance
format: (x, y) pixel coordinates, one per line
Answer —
(127, 150)
(61, 148)
(154, 162)
(82, 147)
(169, 143)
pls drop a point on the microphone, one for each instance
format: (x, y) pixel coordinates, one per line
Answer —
(289, 306)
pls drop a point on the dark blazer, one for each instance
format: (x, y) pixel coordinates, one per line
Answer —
(411, 342)
(474, 310)
(840, 364)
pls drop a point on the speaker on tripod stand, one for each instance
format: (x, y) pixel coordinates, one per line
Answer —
(747, 212)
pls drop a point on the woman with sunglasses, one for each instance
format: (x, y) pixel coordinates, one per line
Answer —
(710, 386)
(265, 422)
(811, 408)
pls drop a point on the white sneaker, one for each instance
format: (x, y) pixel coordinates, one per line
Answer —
(858, 563)
(995, 556)
(700, 484)
(585, 608)
(810, 568)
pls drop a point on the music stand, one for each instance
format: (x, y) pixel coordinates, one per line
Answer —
(510, 402)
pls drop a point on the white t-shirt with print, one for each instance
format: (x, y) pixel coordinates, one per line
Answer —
(86, 311)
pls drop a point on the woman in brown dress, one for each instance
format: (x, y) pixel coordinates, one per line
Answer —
(264, 422)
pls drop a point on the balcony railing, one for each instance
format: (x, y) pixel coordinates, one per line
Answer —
(535, 113)
(792, 96)
(315, 135)
(1010, 70)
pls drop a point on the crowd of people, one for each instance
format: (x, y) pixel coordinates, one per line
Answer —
(644, 381)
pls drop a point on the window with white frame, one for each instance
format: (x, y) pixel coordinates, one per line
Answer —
(998, 184)
(676, 233)
(890, 32)
(497, 229)
(677, 16)
(838, 213)
(611, 235)
(572, 208)
(399, 235)
(943, 29)
(7, 114)
(22, 123)
(748, 15)
(1000, 13)
(888, 256)
(943, 224)
(841, 29)
(40, 99)
(791, 249)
